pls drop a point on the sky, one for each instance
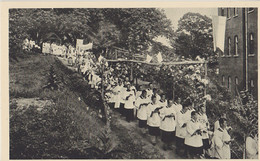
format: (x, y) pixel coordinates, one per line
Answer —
(174, 14)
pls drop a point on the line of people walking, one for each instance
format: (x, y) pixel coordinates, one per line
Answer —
(171, 121)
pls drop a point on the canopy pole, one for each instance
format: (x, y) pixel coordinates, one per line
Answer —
(205, 89)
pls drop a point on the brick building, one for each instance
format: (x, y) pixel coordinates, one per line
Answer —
(238, 62)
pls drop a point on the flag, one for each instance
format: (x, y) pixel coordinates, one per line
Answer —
(219, 28)
(148, 58)
(159, 57)
(163, 40)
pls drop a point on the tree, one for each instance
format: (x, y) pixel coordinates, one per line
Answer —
(194, 36)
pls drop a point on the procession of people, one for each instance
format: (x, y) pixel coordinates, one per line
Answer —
(175, 121)
(172, 121)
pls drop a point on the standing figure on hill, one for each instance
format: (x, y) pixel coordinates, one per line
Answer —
(168, 124)
(153, 120)
(129, 98)
(141, 104)
(193, 139)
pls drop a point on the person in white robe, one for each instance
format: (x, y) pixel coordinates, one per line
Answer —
(163, 102)
(182, 119)
(141, 104)
(155, 93)
(129, 98)
(117, 94)
(218, 141)
(216, 124)
(193, 139)
(252, 146)
(177, 104)
(226, 146)
(154, 120)
(168, 124)
(150, 90)
(203, 119)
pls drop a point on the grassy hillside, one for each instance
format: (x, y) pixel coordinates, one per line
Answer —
(68, 122)
(61, 129)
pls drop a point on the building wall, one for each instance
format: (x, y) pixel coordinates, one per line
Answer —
(252, 59)
(232, 65)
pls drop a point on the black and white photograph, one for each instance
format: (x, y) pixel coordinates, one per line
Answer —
(133, 82)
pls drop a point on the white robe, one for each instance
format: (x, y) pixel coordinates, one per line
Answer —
(226, 147)
(203, 119)
(117, 95)
(142, 109)
(251, 148)
(154, 120)
(218, 143)
(190, 139)
(129, 103)
(168, 123)
(182, 118)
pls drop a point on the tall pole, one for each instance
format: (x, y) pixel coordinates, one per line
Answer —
(205, 89)
(246, 49)
(102, 81)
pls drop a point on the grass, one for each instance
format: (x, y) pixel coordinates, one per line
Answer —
(62, 130)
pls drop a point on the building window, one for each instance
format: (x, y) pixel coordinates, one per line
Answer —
(236, 81)
(252, 84)
(235, 12)
(228, 13)
(223, 80)
(250, 10)
(236, 45)
(229, 83)
(229, 47)
(222, 12)
(251, 43)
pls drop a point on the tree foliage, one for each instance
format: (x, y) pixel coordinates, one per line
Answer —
(194, 36)
(129, 28)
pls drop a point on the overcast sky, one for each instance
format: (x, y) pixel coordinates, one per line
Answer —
(174, 14)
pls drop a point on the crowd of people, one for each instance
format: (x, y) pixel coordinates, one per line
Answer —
(172, 121)
(175, 121)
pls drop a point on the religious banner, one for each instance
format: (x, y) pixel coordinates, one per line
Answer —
(219, 28)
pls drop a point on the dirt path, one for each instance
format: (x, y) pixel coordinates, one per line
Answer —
(137, 138)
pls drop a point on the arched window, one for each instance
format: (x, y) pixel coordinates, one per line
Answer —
(223, 80)
(229, 47)
(236, 45)
(251, 43)
(229, 83)
(236, 81)
(235, 12)
(250, 10)
(222, 12)
(252, 84)
(228, 13)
